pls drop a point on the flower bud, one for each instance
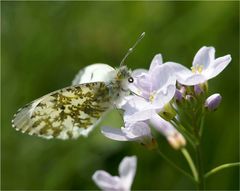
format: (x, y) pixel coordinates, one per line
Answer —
(178, 95)
(198, 90)
(213, 101)
(176, 140)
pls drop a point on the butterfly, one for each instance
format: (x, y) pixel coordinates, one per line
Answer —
(75, 110)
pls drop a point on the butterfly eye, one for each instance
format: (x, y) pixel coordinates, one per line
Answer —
(130, 80)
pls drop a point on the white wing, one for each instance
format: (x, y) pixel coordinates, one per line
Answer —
(94, 73)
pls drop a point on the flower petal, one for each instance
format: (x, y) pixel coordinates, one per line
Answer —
(218, 66)
(94, 73)
(185, 76)
(156, 61)
(127, 170)
(204, 57)
(107, 182)
(162, 76)
(137, 131)
(162, 125)
(164, 97)
(113, 133)
(142, 83)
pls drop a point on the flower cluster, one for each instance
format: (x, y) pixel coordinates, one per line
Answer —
(163, 96)
(171, 99)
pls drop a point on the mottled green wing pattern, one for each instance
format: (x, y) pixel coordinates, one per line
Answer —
(66, 113)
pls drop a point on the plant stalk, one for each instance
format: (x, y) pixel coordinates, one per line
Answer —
(221, 167)
(201, 183)
(190, 163)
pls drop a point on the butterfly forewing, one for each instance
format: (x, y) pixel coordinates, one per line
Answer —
(66, 113)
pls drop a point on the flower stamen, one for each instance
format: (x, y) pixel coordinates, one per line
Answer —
(197, 69)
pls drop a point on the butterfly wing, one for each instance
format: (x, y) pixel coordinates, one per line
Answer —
(66, 113)
(94, 73)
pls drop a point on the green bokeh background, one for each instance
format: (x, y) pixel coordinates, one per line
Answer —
(44, 44)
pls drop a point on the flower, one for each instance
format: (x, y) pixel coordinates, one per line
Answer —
(157, 85)
(204, 67)
(154, 89)
(127, 170)
(137, 131)
(213, 101)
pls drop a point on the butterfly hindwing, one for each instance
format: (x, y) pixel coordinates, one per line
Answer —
(66, 113)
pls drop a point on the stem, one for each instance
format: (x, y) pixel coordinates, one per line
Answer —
(221, 167)
(175, 166)
(190, 163)
(201, 125)
(201, 184)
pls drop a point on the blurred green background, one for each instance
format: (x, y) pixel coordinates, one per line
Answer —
(44, 44)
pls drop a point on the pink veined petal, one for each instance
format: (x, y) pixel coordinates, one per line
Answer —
(204, 57)
(107, 182)
(217, 66)
(113, 133)
(156, 61)
(162, 76)
(127, 170)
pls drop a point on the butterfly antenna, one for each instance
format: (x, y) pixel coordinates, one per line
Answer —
(132, 48)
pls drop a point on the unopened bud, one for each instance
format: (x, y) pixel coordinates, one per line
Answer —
(213, 101)
(177, 141)
(198, 89)
(178, 95)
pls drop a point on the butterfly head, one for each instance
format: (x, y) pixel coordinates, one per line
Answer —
(123, 76)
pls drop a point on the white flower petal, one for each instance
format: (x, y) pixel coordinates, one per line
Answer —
(162, 76)
(107, 182)
(162, 125)
(185, 76)
(204, 57)
(127, 170)
(139, 116)
(156, 61)
(194, 80)
(218, 66)
(113, 133)
(138, 72)
(164, 96)
(137, 131)
(94, 73)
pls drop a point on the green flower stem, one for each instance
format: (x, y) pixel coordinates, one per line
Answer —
(201, 183)
(190, 163)
(171, 163)
(221, 167)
